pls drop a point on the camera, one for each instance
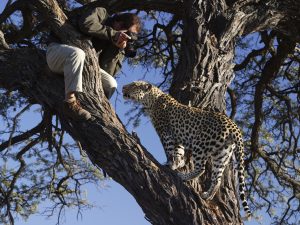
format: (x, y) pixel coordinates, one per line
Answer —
(130, 50)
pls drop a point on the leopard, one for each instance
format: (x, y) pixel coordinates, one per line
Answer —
(207, 135)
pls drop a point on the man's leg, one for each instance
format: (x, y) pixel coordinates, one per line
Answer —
(68, 60)
(109, 83)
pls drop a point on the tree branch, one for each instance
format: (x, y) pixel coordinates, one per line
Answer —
(268, 40)
(11, 8)
(22, 137)
(170, 6)
(268, 74)
(15, 119)
(282, 16)
(83, 2)
(278, 172)
(233, 104)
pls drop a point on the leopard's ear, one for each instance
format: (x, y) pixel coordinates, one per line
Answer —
(148, 87)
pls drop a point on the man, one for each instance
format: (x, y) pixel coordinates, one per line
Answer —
(109, 40)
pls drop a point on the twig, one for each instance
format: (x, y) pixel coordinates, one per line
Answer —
(15, 123)
(233, 102)
(22, 137)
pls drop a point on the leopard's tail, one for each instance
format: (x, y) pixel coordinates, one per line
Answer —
(239, 154)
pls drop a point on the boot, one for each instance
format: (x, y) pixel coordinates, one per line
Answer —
(74, 110)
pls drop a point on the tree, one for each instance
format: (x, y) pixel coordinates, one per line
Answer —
(194, 44)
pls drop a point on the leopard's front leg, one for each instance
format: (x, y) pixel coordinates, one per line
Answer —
(175, 152)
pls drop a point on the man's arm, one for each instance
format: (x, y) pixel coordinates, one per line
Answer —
(90, 23)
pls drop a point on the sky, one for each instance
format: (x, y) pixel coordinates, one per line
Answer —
(115, 205)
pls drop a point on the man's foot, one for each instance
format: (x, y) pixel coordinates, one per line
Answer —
(74, 110)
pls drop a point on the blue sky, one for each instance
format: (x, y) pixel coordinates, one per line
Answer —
(115, 205)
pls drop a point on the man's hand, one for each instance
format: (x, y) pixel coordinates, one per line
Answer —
(120, 39)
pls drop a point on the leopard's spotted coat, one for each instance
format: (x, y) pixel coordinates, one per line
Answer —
(210, 136)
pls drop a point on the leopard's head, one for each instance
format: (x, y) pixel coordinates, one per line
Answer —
(142, 92)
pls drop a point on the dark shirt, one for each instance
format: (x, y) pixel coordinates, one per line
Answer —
(94, 22)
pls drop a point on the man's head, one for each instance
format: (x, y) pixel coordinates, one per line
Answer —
(126, 21)
(129, 26)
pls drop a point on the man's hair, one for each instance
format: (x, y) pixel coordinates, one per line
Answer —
(127, 20)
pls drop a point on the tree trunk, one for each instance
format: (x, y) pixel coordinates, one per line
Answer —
(202, 78)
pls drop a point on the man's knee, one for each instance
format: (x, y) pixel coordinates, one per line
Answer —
(111, 88)
(109, 83)
(113, 84)
(79, 53)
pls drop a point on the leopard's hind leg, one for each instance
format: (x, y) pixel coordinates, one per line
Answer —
(198, 171)
(219, 161)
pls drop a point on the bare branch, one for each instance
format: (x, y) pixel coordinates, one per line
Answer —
(83, 2)
(255, 53)
(233, 102)
(27, 29)
(22, 137)
(10, 9)
(170, 6)
(246, 17)
(15, 121)
(269, 72)
(278, 172)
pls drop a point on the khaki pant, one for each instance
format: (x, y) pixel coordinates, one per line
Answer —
(109, 83)
(69, 61)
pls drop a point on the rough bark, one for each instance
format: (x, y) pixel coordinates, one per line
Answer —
(203, 74)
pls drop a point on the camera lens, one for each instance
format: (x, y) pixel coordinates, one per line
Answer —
(130, 50)
(132, 35)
